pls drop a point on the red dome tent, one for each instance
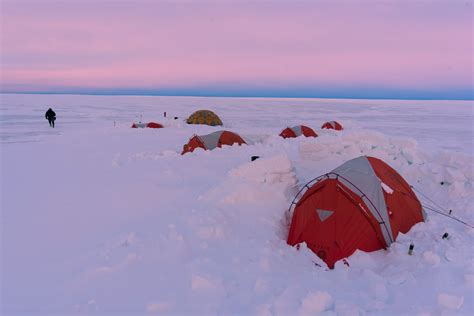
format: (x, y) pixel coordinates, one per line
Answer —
(295, 131)
(213, 140)
(149, 125)
(363, 204)
(332, 125)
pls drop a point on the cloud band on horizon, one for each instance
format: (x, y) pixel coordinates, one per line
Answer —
(316, 48)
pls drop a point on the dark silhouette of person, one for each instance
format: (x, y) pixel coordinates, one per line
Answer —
(50, 116)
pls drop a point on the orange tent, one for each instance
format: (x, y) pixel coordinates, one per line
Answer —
(363, 204)
(148, 125)
(213, 140)
(295, 131)
(332, 125)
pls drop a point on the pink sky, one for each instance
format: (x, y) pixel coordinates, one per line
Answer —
(157, 45)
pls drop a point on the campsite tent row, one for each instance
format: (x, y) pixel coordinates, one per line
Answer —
(208, 117)
(295, 131)
(199, 117)
(363, 204)
(219, 138)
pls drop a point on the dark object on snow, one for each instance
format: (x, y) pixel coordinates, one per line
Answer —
(175, 117)
(445, 236)
(50, 116)
(442, 183)
(410, 250)
(450, 211)
(253, 158)
(164, 114)
(318, 265)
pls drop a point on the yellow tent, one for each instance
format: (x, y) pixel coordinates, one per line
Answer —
(204, 117)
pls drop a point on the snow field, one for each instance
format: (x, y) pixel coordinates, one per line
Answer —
(104, 219)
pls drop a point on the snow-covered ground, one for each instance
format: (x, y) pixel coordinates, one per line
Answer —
(97, 217)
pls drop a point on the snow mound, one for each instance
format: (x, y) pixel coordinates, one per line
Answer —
(159, 307)
(263, 181)
(199, 282)
(341, 147)
(272, 170)
(431, 258)
(450, 301)
(316, 303)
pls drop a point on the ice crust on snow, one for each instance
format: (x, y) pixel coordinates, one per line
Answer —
(135, 227)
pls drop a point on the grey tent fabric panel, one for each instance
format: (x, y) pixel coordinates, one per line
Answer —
(141, 125)
(333, 124)
(361, 176)
(297, 130)
(323, 214)
(211, 140)
(386, 229)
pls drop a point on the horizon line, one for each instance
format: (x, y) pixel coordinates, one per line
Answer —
(210, 95)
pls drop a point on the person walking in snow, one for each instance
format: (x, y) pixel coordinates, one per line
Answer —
(50, 116)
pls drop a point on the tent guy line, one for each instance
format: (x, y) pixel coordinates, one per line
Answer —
(439, 209)
(451, 217)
